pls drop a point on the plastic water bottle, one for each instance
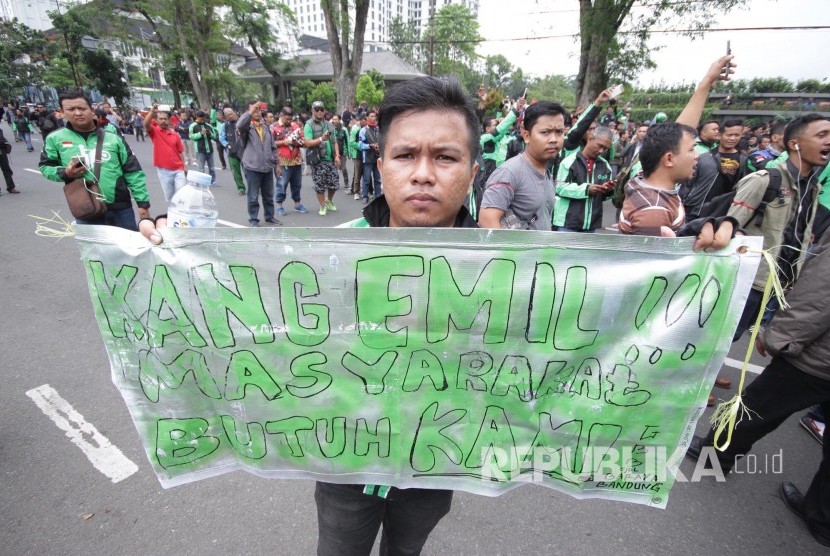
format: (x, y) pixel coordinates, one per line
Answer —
(193, 206)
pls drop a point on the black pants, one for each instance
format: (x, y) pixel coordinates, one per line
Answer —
(7, 170)
(220, 150)
(348, 520)
(780, 391)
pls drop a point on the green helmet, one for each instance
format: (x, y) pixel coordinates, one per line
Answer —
(660, 118)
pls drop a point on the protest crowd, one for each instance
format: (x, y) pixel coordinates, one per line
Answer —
(430, 156)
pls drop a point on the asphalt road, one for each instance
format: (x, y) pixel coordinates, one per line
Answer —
(54, 501)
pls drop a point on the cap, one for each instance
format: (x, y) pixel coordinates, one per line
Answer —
(318, 104)
(199, 178)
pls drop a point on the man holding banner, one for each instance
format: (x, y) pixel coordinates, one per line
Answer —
(428, 142)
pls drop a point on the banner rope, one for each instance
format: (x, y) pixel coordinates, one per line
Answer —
(55, 226)
(729, 413)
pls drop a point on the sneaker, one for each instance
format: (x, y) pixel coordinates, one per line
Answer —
(301, 209)
(365, 200)
(280, 211)
(322, 211)
(815, 428)
(330, 205)
(273, 221)
(357, 196)
(254, 223)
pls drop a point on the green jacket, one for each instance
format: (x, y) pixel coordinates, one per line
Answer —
(355, 129)
(121, 174)
(573, 139)
(203, 143)
(574, 207)
(491, 147)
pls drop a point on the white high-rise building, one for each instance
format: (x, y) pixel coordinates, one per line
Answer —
(33, 13)
(310, 20)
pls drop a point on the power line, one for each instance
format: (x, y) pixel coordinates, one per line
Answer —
(660, 31)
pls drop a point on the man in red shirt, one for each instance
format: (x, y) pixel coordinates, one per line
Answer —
(168, 151)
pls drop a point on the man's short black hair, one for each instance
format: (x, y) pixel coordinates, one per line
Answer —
(71, 96)
(487, 121)
(661, 139)
(429, 93)
(542, 108)
(777, 128)
(372, 111)
(731, 123)
(796, 127)
(705, 123)
(201, 114)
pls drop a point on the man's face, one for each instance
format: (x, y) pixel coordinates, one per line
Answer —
(41, 108)
(286, 117)
(335, 120)
(107, 108)
(685, 159)
(490, 126)
(814, 143)
(544, 141)
(710, 132)
(596, 146)
(427, 168)
(269, 118)
(230, 116)
(200, 120)
(163, 120)
(257, 116)
(641, 132)
(730, 137)
(79, 113)
(318, 113)
(764, 143)
(372, 119)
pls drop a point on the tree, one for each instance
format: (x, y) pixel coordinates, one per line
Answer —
(326, 93)
(557, 88)
(105, 74)
(176, 76)
(254, 22)
(614, 35)
(498, 71)
(368, 92)
(345, 61)
(23, 52)
(190, 29)
(301, 92)
(452, 34)
(405, 41)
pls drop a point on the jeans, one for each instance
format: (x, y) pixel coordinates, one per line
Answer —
(236, 170)
(120, 218)
(348, 520)
(139, 134)
(290, 176)
(370, 171)
(206, 159)
(27, 137)
(171, 181)
(260, 182)
(189, 151)
(749, 314)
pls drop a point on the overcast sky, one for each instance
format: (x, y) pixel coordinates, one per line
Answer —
(791, 54)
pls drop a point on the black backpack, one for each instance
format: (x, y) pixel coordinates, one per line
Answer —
(719, 206)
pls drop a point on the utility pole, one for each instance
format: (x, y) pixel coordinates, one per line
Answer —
(431, 51)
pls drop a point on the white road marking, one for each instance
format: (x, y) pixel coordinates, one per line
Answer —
(755, 369)
(230, 224)
(103, 455)
(32, 171)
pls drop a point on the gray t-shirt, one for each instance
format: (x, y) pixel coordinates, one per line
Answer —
(517, 186)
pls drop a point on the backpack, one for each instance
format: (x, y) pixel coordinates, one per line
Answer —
(618, 197)
(719, 206)
(314, 155)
